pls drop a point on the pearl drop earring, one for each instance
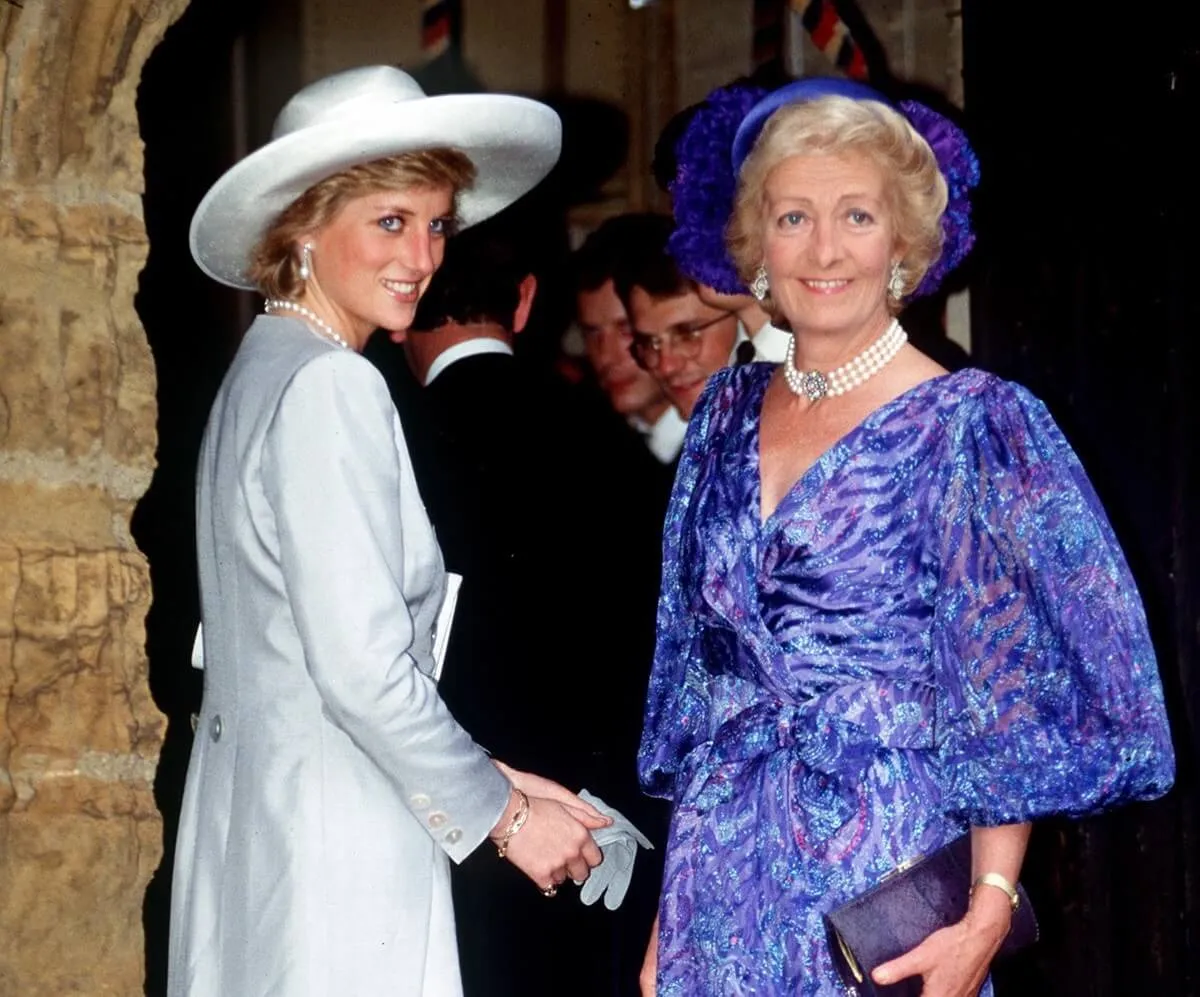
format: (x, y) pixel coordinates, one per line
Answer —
(306, 261)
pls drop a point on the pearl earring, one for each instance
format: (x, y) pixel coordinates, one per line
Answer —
(896, 281)
(306, 261)
(760, 286)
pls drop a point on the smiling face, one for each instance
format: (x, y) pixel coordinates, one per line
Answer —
(828, 244)
(372, 262)
(607, 338)
(680, 370)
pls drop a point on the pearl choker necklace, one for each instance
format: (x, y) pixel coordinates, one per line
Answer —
(814, 385)
(320, 326)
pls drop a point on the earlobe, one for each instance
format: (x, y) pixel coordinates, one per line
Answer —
(527, 291)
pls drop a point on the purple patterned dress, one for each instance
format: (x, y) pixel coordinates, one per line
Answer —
(936, 628)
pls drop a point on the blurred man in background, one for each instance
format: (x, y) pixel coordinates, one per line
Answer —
(632, 390)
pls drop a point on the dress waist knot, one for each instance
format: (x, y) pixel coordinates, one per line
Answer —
(816, 748)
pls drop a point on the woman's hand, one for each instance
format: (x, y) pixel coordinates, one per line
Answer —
(648, 977)
(954, 961)
(536, 785)
(555, 842)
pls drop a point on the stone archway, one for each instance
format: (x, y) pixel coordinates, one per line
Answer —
(79, 733)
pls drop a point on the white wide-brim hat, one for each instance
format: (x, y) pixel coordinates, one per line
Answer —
(358, 116)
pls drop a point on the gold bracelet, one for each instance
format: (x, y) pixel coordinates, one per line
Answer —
(998, 881)
(514, 825)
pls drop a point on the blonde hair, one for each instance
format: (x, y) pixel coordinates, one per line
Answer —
(914, 188)
(274, 267)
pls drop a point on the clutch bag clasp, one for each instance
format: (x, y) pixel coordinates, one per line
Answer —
(903, 867)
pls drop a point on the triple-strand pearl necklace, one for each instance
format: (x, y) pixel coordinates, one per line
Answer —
(814, 385)
(319, 325)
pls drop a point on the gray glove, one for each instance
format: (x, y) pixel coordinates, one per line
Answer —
(619, 844)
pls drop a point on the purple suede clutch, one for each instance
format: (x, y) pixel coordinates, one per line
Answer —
(903, 910)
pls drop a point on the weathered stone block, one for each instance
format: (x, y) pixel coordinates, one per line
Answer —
(83, 512)
(71, 914)
(77, 683)
(78, 372)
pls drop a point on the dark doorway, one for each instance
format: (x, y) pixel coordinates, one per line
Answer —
(208, 92)
(1084, 291)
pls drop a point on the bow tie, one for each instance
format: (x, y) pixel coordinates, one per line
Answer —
(745, 351)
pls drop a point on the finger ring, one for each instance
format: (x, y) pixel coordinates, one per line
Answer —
(550, 890)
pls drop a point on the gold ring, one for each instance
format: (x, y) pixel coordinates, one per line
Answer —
(550, 890)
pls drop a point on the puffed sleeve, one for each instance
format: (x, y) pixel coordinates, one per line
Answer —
(677, 699)
(332, 473)
(1050, 700)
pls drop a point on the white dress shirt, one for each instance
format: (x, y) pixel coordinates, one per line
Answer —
(460, 351)
(770, 344)
(665, 436)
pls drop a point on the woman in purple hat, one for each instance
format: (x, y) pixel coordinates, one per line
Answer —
(893, 612)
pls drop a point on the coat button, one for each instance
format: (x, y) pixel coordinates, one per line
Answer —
(453, 836)
(420, 801)
(214, 727)
(437, 819)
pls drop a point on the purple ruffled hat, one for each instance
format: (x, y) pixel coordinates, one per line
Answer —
(704, 185)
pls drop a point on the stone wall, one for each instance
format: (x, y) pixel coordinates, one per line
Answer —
(79, 734)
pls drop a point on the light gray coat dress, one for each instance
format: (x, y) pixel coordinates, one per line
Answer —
(328, 783)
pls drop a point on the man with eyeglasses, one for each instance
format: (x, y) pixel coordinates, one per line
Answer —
(678, 338)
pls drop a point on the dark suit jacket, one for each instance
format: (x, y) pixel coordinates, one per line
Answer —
(552, 512)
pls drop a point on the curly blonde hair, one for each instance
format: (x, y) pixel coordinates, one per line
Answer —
(914, 188)
(274, 267)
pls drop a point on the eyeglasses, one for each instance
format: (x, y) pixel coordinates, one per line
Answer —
(647, 348)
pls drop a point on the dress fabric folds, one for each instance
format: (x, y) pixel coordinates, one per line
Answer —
(935, 628)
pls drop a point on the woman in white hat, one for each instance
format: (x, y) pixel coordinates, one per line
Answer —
(328, 784)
